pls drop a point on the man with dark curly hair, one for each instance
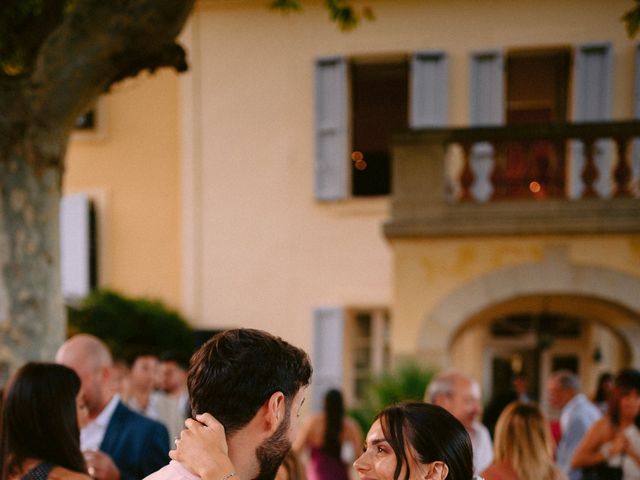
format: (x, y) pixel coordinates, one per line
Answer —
(253, 383)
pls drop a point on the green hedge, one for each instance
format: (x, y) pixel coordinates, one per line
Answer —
(126, 323)
(408, 382)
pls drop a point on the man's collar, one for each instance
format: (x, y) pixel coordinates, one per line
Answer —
(571, 403)
(104, 416)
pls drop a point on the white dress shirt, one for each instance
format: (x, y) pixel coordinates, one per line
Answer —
(92, 434)
(482, 447)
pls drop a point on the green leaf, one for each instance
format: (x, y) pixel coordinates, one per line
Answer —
(408, 382)
(632, 19)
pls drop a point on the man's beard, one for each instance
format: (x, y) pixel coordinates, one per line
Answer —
(273, 450)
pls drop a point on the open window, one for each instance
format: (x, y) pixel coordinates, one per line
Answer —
(360, 103)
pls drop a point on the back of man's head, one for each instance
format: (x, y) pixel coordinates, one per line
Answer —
(444, 385)
(84, 351)
(567, 380)
(91, 360)
(236, 372)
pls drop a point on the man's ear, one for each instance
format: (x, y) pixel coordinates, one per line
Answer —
(442, 400)
(106, 374)
(275, 411)
(437, 471)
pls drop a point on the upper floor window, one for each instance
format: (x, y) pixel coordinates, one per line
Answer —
(379, 92)
(360, 103)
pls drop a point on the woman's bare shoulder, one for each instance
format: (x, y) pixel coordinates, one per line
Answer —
(61, 473)
(498, 471)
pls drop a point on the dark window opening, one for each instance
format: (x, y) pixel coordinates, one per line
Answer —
(537, 86)
(543, 324)
(565, 362)
(380, 107)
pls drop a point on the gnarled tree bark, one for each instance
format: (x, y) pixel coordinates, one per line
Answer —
(70, 52)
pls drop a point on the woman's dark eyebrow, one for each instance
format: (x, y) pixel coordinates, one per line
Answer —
(376, 441)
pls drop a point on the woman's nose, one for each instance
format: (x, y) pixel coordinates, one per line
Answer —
(361, 462)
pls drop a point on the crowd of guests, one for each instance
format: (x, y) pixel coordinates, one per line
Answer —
(88, 417)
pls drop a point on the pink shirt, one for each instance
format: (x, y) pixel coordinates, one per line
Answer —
(173, 471)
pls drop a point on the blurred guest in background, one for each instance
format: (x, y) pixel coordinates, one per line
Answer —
(118, 443)
(43, 409)
(173, 399)
(614, 440)
(331, 438)
(143, 370)
(576, 417)
(523, 446)
(459, 394)
(604, 388)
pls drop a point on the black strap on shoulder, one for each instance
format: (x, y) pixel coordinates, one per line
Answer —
(40, 472)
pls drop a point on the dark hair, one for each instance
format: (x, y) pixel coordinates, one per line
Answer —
(334, 413)
(601, 394)
(628, 379)
(236, 371)
(134, 354)
(433, 433)
(179, 358)
(39, 418)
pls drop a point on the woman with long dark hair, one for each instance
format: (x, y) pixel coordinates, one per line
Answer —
(415, 441)
(614, 440)
(604, 388)
(41, 412)
(331, 438)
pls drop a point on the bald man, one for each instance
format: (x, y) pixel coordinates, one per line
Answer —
(459, 394)
(117, 442)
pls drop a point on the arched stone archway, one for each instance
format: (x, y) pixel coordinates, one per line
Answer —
(602, 290)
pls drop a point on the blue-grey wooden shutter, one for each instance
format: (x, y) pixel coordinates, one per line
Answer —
(592, 99)
(487, 108)
(428, 90)
(331, 132)
(328, 341)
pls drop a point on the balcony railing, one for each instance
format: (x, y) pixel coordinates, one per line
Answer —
(545, 178)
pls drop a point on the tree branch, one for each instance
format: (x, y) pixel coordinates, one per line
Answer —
(97, 44)
(24, 26)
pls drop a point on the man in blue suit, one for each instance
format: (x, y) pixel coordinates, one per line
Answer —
(118, 443)
(577, 415)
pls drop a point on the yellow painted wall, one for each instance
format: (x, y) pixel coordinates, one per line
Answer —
(266, 252)
(243, 242)
(426, 271)
(130, 167)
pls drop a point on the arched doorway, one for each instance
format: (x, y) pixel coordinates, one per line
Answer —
(601, 309)
(538, 334)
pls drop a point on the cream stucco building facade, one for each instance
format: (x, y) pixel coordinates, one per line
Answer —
(219, 191)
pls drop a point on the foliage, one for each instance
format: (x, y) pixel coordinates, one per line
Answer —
(408, 382)
(632, 19)
(128, 323)
(340, 11)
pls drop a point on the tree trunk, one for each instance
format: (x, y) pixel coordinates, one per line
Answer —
(70, 53)
(32, 317)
